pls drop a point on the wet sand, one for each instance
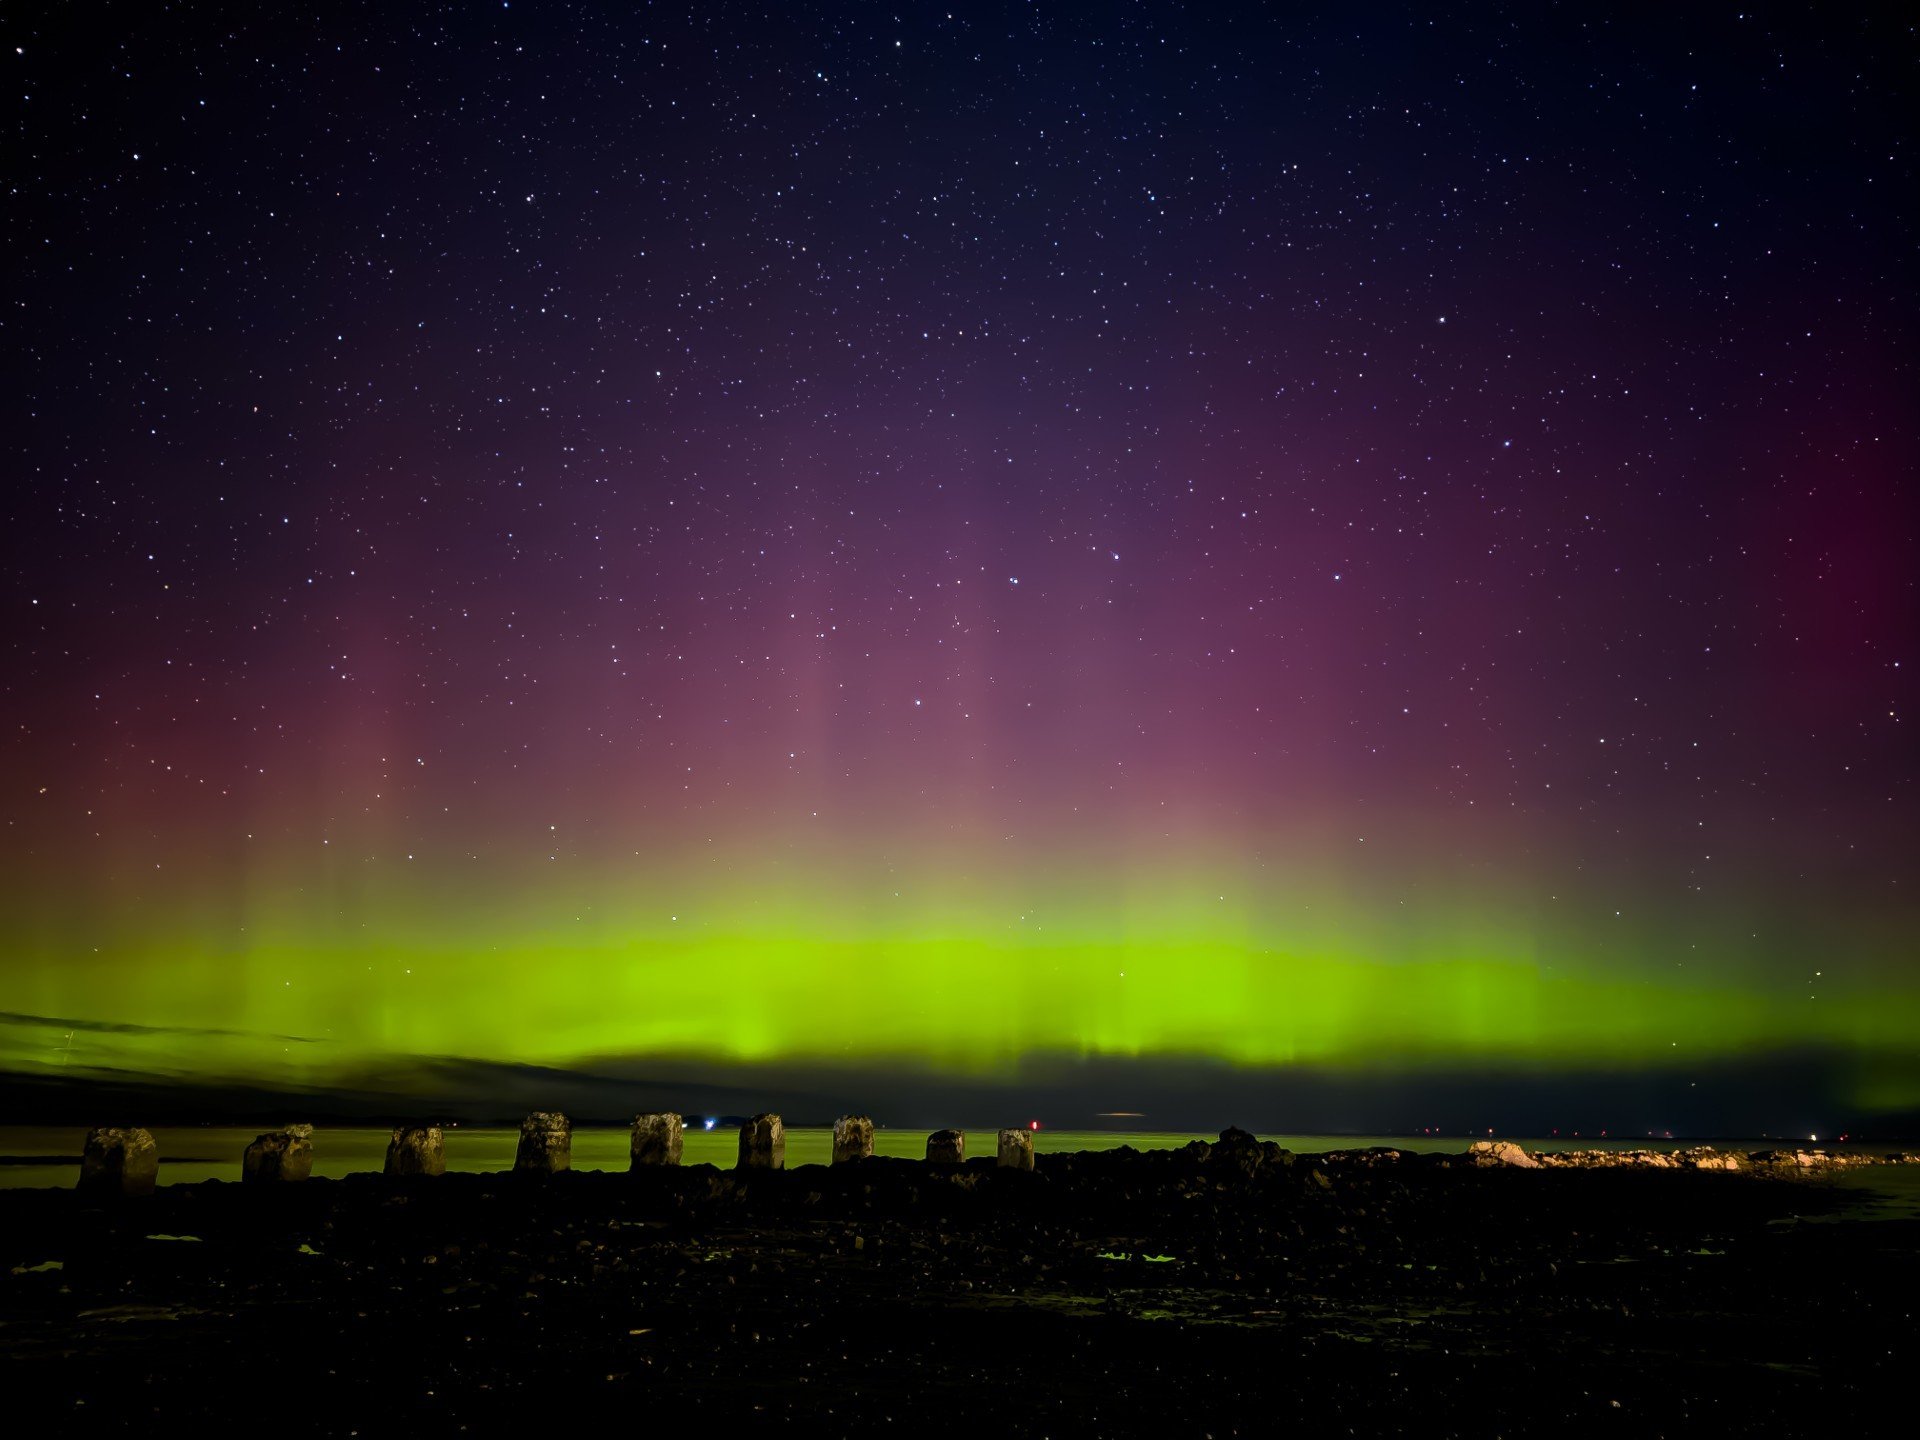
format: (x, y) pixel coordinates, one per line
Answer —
(1230, 1289)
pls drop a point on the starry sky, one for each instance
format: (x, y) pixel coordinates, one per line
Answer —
(1125, 556)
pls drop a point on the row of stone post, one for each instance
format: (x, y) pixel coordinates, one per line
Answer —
(126, 1161)
(763, 1143)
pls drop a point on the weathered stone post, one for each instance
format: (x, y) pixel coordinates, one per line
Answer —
(763, 1144)
(656, 1140)
(1016, 1150)
(546, 1144)
(279, 1155)
(852, 1139)
(118, 1161)
(946, 1147)
(417, 1150)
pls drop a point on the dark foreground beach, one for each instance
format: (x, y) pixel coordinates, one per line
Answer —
(1225, 1289)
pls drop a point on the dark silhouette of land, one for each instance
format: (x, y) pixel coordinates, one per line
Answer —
(1222, 1289)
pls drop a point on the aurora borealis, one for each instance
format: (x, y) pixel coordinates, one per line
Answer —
(1370, 544)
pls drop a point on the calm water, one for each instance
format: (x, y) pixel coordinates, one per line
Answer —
(49, 1155)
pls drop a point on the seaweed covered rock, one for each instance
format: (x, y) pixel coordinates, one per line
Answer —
(417, 1150)
(118, 1161)
(546, 1144)
(657, 1140)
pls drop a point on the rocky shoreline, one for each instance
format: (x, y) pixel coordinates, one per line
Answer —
(1695, 1157)
(1223, 1288)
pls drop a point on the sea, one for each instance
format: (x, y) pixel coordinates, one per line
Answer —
(38, 1156)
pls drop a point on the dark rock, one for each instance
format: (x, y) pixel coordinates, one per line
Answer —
(852, 1139)
(417, 1150)
(1404, 1285)
(1366, 1159)
(657, 1139)
(118, 1161)
(947, 1147)
(279, 1155)
(546, 1144)
(1237, 1150)
(763, 1144)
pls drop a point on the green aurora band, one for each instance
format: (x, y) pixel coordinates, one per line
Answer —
(1252, 965)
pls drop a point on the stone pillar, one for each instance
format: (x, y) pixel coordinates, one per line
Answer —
(763, 1144)
(656, 1140)
(417, 1150)
(1016, 1150)
(118, 1162)
(852, 1139)
(946, 1147)
(280, 1155)
(546, 1144)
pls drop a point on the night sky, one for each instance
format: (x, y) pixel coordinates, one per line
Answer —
(1344, 567)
